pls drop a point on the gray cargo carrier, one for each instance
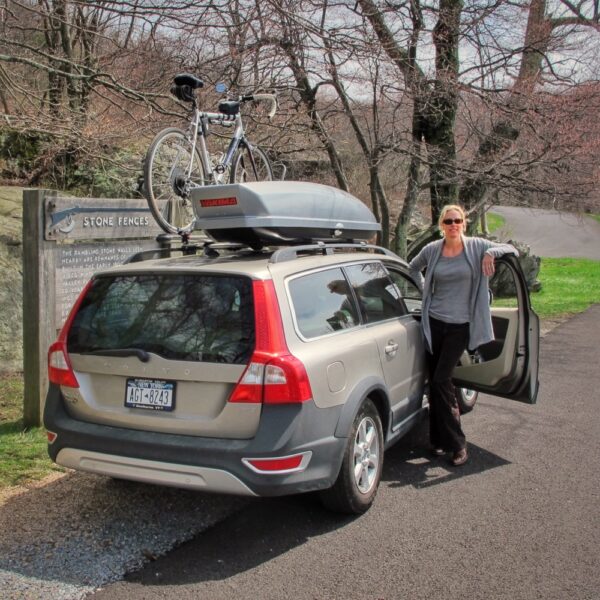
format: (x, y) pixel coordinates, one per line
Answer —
(281, 213)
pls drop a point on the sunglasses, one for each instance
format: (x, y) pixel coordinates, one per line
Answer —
(450, 221)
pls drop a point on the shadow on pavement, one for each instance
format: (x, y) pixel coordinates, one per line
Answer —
(409, 462)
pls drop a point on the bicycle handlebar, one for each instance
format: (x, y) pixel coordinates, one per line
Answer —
(267, 97)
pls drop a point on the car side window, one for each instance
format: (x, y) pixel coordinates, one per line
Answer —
(410, 293)
(377, 295)
(323, 303)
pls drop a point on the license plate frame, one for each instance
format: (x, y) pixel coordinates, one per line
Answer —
(150, 394)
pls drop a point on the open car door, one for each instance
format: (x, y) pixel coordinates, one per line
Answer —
(508, 366)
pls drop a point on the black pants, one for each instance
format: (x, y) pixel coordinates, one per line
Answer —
(448, 342)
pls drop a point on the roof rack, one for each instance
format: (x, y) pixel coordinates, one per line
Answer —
(292, 252)
(208, 249)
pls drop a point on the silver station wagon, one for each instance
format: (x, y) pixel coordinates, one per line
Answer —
(283, 357)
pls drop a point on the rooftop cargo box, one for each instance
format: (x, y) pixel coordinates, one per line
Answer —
(281, 213)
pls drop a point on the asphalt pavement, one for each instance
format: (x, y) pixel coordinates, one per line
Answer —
(551, 233)
(521, 520)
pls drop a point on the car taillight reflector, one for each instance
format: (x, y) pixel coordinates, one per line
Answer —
(282, 464)
(274, 375)
(51, 436)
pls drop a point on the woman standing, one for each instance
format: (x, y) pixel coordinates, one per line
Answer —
(455, 316)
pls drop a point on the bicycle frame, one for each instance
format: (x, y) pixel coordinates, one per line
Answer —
(199, 131)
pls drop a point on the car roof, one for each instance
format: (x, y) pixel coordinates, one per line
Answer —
(258, 265)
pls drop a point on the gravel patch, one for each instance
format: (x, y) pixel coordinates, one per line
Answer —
(79, 532)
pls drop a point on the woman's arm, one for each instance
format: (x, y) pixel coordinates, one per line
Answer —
(494, 250)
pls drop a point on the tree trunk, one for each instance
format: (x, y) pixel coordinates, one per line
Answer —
(412, 190)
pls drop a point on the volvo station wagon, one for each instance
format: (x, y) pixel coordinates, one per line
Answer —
(283, 358)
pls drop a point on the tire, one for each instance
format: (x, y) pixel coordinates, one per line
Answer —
(358, 480)
(166, 185)
(243, 169)
(466, 400)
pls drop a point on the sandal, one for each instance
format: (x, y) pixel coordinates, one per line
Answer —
(459, 458)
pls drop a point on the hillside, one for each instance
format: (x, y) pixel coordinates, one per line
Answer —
(11, 291)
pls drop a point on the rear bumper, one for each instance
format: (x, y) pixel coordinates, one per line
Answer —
(208, 464)
(152, 471)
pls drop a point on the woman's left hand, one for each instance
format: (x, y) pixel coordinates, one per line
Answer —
(487, 265)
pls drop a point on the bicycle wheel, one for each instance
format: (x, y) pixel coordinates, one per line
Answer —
(245, 169)
(166, 182)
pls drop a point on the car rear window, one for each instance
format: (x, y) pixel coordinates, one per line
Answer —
(204, 318)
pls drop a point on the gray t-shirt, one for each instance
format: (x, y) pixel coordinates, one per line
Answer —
(452, 280)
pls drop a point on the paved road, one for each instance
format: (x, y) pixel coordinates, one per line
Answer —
(520, 521)
(551, 233)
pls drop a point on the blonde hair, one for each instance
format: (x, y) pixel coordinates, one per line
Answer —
(446, 209)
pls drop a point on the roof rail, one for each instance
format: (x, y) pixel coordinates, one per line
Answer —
(208, 249)
(292, 252)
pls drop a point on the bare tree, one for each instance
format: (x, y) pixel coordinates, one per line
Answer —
(518, 106)
(441, 94)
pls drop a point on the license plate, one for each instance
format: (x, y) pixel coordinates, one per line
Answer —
(151, 394)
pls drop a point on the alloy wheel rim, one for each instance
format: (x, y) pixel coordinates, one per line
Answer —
(468, 395)
(366, 455)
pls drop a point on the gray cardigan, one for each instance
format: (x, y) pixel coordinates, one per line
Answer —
(480, 323)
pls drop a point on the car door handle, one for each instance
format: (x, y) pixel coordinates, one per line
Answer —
(391, 348)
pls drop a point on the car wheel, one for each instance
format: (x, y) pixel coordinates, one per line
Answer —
(466, 400)
(358, 480)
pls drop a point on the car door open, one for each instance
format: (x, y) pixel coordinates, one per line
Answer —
(508, 366)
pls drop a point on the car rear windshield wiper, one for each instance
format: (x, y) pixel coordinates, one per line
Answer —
(141, 354)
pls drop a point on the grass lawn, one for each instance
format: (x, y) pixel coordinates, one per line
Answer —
(23, 453)
(569, 286)
(494, 221)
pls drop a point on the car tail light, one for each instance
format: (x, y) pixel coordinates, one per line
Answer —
(274, 375)
(280, 464)
(60, 371)
(51, 436)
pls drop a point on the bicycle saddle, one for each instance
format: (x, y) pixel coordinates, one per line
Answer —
(187, 79)
(229, 107)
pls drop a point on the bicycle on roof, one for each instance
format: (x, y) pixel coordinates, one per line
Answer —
(178, 161)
